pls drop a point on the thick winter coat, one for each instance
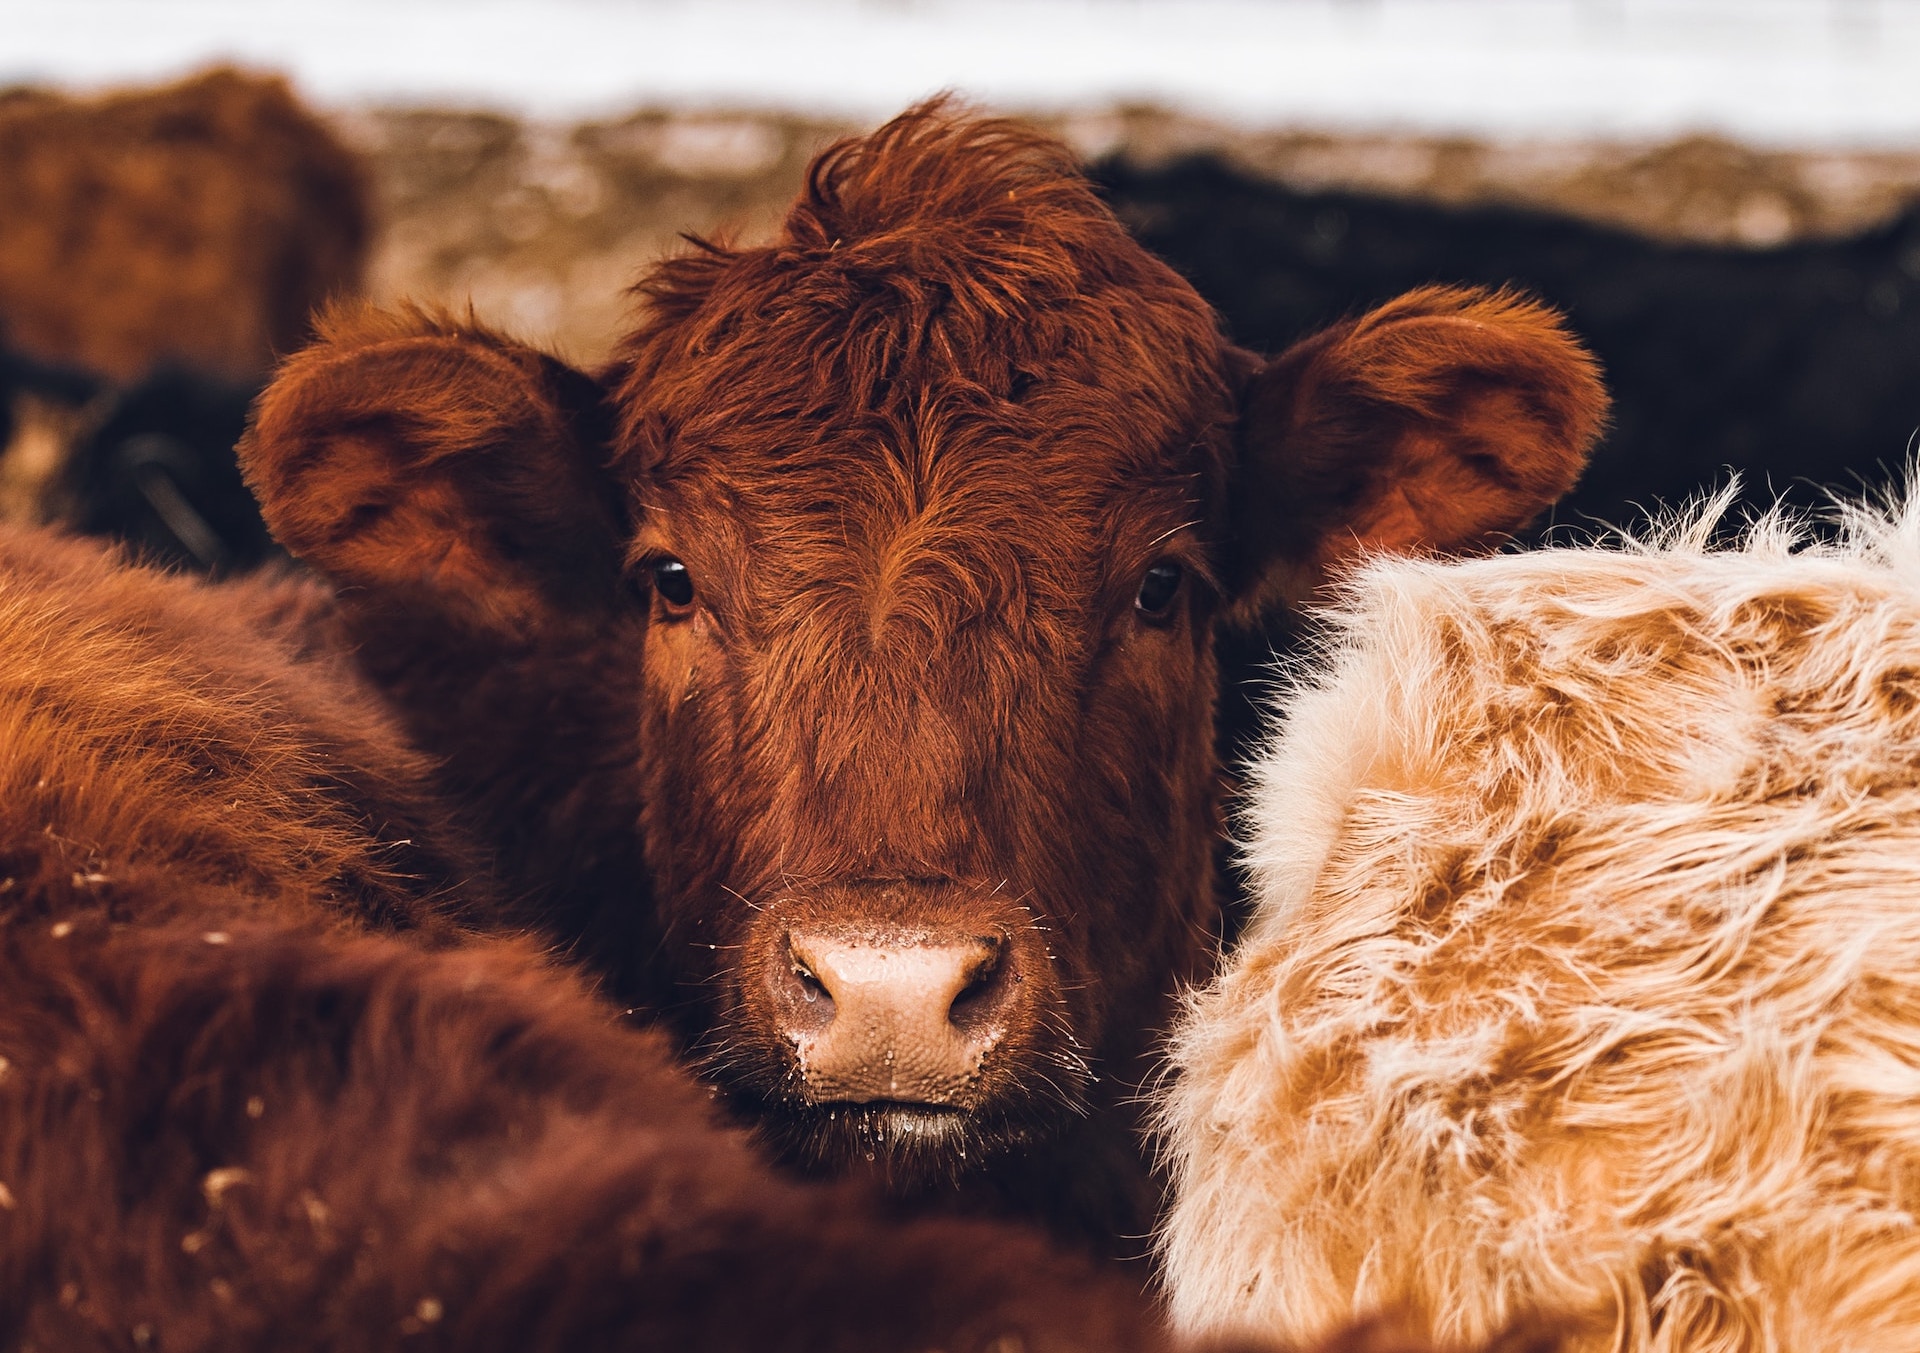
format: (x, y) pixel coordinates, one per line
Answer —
(932, 509)
(1583, 976)
(272, 1138)
(154, 727)
(231, 1117)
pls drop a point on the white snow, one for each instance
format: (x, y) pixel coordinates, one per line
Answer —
(1784, 71)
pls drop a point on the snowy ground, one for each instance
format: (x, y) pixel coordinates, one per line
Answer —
(1800, 72)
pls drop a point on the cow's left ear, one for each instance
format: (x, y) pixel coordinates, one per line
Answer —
(1442, 421)
(417, 459)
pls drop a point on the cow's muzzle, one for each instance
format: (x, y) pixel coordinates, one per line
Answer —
(894, 1018)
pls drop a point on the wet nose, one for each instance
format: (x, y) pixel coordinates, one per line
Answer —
(906, 1021)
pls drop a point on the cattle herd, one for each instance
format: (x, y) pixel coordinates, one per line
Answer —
(736, 848)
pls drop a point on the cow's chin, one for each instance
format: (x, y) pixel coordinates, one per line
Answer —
(1029, 1098)
(906, 1146)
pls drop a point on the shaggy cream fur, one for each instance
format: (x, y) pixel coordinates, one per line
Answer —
(1586, 974)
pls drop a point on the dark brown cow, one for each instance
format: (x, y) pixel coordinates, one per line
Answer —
(287, 1141)
(230, 1118)
(935, 505)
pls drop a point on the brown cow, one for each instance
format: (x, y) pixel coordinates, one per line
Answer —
(935, 504)
(158, 249)
(197, 224)
(152, 727)
(267, 1138)
(232, 1119)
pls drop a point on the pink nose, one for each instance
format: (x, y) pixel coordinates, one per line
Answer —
(908, 1021)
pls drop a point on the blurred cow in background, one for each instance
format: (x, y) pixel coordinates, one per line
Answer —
(1798, 366)
(158, 249)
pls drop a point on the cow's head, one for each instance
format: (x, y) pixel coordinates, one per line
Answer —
(933, 506)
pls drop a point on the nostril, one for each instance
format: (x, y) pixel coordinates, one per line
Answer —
(811, 990)
(977, 1006)
(971, 1006)
(801, 995)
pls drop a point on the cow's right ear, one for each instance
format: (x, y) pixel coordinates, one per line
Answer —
(1439, 422)
(406, 455)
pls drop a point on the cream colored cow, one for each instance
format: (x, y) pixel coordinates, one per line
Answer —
(1585, 977)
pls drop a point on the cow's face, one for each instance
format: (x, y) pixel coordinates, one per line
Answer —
(928, 503)
(931, 505)
(932, 508)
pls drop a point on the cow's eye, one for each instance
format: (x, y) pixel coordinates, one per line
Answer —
(672, 581)
(1158, 589)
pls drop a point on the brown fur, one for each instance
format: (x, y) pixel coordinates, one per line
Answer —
(1422, 421)
(197, 224)
(509, 648)
(227, 1120)
(917, 455)
(286, 1142)
(152, 728)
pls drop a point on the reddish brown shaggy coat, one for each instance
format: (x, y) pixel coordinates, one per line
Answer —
(904, 473)
(506, 647)
(154, 728)
(227, 1121)
(279, 1141)
(197, 224)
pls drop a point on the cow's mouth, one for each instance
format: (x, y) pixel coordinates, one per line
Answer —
(931, 1123)
(907, 1146)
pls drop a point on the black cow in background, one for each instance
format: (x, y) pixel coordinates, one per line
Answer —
(153, 464)
(1798, 366)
